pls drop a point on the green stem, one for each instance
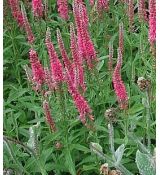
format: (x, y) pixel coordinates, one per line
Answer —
(111, 138)
(148, 122)
(62, 101)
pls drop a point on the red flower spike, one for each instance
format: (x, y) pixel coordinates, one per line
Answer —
(27, 27)
(152, 21)
(48, 116)
(102, 5)
(16, 12)
(62, 49)
(56, 66)
(63, 9)
(77, 59)
(37, 8)
(118, 84)
(37, 69)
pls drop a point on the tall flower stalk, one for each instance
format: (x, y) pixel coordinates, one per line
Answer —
(63, 9)
(27, 26)
(77, 59)
(79, 101)
(118, 84)
(131, 14)
(110, 61)
(121, 38)
(55, 64)
(102, 5)
(142, 11)
(37, 70)
(37, 8)
(85, 43)
(48, 116)
(152, 21)
(16, 11)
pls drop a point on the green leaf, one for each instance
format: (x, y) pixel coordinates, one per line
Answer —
(100, 65)
(119, 153)
(145, 164)
(69, 162)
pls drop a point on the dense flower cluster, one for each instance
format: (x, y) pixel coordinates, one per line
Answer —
(102, 5)
(48, 115)
(142, 10)
(131, 14)
(37, 8)
(37, 69)
(77, 59)
(91, 2)
(85, 44)
(56, 66)
(119, 86)
(16, 12)
(63, 9)
(152, 21)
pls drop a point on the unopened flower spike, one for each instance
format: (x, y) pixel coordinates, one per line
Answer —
(48, 115)
(110, 61)
(131, 14)
(77, 58)
(62, 49)
(142, 15)
(121, 38)
(27, 26)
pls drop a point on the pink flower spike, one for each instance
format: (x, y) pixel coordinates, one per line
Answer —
(27, 26)
(142, 11)
(62, 49)
(131, 14)
(49, 79)
(63, 9)
(85, 44)
(91, 2)
(56, 66)
(37, 69)
(118, 84)
(37, 8)
(152, 21)
(16, 12)
(77, 59)
(48, 116)
(102, 5)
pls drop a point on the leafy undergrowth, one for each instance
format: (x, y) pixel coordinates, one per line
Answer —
(121, 137)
